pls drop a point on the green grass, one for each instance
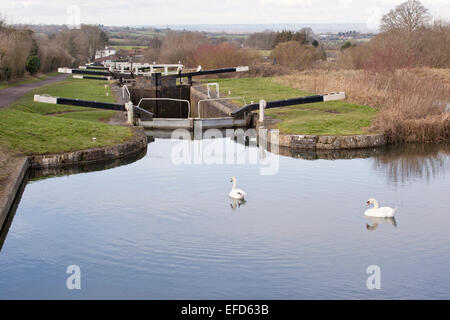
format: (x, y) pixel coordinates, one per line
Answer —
(323, 118)
(119, 47)
(88, 115)
(265, 53)
(39, 128)
(70, 88)
(31, 79)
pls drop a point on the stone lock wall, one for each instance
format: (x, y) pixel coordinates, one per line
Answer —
(328, 142)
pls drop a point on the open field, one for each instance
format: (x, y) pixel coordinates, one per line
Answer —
(29, 79)
(119, 47)
(38, 128)
(325, 118)
(265, 53)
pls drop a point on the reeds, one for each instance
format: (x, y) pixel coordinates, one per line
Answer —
(413, 105)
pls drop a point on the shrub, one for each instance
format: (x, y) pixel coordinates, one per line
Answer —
(346, 45)
(223, 55)
(52, 55)
(397, 49)
(5, 73)
(33, 64)
(180, 46)
(261, 40)
(14, 50)
(295, 55)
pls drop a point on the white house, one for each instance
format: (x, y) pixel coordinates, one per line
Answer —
(105, 53)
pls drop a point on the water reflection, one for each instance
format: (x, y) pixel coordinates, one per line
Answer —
(315, 154)
(405, 162)
(42, 173)
(399, 162)
(12, 211)
(172, 234)
(376, 221)
(237, 203)
(249, 135)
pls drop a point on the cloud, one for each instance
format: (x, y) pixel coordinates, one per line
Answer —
(290, 3)
(164, 12)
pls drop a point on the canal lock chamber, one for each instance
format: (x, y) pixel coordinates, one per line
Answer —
(167, 100)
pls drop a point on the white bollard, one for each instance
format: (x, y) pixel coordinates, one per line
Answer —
(262, 106)
(129, 107)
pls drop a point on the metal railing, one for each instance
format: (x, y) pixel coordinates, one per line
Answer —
(123, 92)
(143, 110)
(208, 85)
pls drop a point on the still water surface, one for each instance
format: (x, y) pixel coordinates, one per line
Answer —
(156, 230)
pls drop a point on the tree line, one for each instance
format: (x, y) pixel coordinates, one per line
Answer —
(297, 50)
(408, 39)
(22, 50)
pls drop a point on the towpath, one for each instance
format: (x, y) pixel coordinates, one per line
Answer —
(12, 94)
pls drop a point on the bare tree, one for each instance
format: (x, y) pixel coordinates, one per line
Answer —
(96, 39)
(410, 16)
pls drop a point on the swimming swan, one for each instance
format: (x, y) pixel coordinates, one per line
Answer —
(383, 212)
(236, 193)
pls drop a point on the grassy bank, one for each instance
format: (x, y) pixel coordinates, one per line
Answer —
(412, 104)
(325, 118)
(38, 128)
(29, 79)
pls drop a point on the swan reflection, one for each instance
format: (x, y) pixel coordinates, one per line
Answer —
(377, 220)
(236, 203)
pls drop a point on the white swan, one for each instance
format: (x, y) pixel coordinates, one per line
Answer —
(236, 193)
(383, 212)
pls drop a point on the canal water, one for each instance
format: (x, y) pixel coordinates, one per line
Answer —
(160, 229)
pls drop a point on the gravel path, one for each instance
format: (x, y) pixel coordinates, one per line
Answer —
(12, 94)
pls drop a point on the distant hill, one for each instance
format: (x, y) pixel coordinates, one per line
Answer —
(249, 28)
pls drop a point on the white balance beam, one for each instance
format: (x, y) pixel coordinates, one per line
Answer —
(242, 69)
(45, 99)
(334, 96)
(64, 70)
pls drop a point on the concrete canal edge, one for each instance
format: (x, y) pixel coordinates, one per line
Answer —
(136, 144)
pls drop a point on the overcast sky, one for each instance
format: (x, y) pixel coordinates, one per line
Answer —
(170, 12)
